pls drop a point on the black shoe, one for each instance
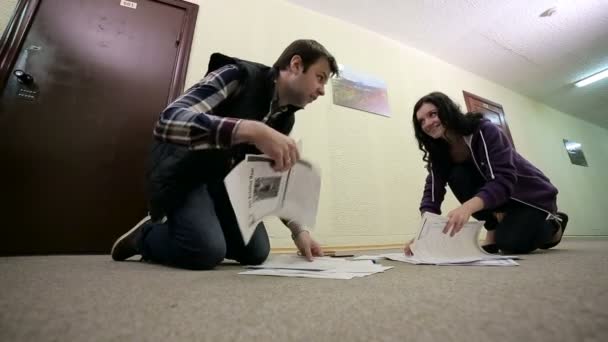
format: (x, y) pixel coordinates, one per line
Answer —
(126, 246)
(560, 225)
(491, 248)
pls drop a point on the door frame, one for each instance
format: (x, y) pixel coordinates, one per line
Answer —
(468, 96)
(25, 10)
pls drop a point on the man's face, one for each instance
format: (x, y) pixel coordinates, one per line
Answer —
(305, 87)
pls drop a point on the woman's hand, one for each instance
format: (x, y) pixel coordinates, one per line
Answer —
(407, 248)
(456, 220)
(461, 215)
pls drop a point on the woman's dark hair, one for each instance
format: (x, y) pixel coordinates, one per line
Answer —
(310, 51)
(436, 151)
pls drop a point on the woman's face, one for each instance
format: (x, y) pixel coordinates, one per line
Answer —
(428, 118)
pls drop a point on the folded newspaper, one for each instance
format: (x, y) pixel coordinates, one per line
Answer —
(257, 191)
(432, 246)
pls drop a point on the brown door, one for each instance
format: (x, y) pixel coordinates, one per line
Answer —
(491, 110)
(77, 110)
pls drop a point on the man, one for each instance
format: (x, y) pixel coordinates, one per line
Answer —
(239, 107)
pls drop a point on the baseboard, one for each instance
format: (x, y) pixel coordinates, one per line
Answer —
(284, 250)
(342, 248)
(586, 236)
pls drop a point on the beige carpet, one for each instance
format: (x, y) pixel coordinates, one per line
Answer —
(556, 295)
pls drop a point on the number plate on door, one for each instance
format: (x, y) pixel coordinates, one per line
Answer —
(129, 4)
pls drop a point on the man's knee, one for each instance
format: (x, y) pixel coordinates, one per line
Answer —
(258, 249)
(255, 257)
(200, 255)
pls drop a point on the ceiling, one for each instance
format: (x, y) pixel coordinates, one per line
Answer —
(507, 42)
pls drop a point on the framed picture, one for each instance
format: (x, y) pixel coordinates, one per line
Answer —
(575, 152)
(358, 91)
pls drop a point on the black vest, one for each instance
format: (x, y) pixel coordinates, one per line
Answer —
(175, 170)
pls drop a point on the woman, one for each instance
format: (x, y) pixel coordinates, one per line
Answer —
(491, 180)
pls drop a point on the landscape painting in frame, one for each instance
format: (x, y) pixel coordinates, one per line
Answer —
(356, 90)
(575, 152)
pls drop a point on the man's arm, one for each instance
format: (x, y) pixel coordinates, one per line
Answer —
(188, 120)
(307, 246)
(294, 227)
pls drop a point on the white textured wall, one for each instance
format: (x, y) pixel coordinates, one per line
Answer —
(372, 169)
(6, 11)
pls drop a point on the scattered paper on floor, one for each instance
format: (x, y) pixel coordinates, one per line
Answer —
(498, 260)
(321, 267)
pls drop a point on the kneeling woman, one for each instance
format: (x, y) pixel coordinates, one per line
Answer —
(491, 180)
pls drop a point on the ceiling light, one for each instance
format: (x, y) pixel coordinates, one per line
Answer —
(593, 78)
(549, 12)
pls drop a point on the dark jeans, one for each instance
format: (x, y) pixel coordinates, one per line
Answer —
(523, 228)
(201, 232)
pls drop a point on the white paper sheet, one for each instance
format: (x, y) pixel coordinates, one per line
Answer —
(302, 274)
(432, 246)
(323, 267)
(257, 191)
(499, 260)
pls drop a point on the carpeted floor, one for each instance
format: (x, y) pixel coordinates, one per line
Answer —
(556, 295)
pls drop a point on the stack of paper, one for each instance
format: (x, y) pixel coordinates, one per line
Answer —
(322, 267)
(432, 246)
(256, 191)
(501, 260)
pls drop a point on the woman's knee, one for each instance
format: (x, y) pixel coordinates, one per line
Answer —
(515, 245)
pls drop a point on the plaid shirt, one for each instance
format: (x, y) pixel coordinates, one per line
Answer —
(190, 121)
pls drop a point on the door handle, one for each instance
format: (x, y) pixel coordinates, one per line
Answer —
(23, 77)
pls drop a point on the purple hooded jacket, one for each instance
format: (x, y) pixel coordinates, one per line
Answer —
(507, 175)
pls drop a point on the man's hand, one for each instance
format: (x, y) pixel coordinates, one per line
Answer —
(307, 246)
(282, 149)
(407, 249)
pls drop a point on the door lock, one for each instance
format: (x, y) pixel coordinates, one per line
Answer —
(23, 77)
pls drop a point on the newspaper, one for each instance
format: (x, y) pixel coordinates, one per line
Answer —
(257, 191)
(320, 267)
(432, 246)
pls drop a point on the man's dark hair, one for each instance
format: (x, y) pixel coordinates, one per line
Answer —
(436, 151)
(310, 51)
